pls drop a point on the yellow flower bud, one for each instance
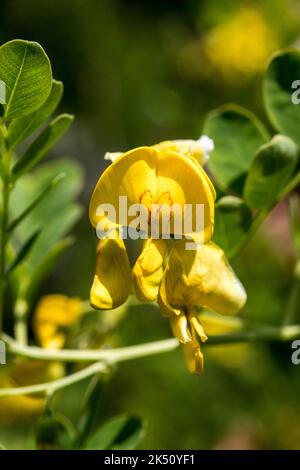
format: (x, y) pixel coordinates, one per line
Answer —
(148, 270)
(112, 280)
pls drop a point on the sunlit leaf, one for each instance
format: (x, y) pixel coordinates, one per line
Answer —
(20, 129)
(26, 71)
(237, 134)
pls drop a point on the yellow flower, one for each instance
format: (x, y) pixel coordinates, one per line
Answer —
(201, 277)
(157, 177)
(54, 313)
(24, 409)
(151, 176)
(232, 51)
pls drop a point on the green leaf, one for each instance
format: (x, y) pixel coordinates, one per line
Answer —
(54, 231)
(280, 92)
(20, 129)
(26, 71)
(53, 183)
(24, 251)
(89, 408)
(31, 186)
(237, 134)
(56, 213)
(271, 170)
(28, 286)
(53, 431)
(41, 146)
(233, 219)
(122, 432)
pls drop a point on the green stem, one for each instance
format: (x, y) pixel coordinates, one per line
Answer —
(105, 358)
(6, 159)
(109, 356)
(20, 312)
(258, 220)
(51, 387)
(292, 313)
(263, 213)
(20, 326)
(290, 187)
(117, 355)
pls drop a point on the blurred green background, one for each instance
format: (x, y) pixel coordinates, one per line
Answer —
(136, 73)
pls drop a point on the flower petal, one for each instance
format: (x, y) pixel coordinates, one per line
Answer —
(131, 175)
(202, 277)
(195, 322)
(148, 270)
(180, 328)
(112, 280)
(187, 184)
(53, 313)
(193, 357)
(155, 175)
(199, 150)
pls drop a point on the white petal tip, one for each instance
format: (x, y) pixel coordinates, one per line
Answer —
(207, 145)
(112, 156)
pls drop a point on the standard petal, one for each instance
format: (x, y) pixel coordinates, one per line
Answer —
(186, 183)
(131, 175)
(151, 176)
